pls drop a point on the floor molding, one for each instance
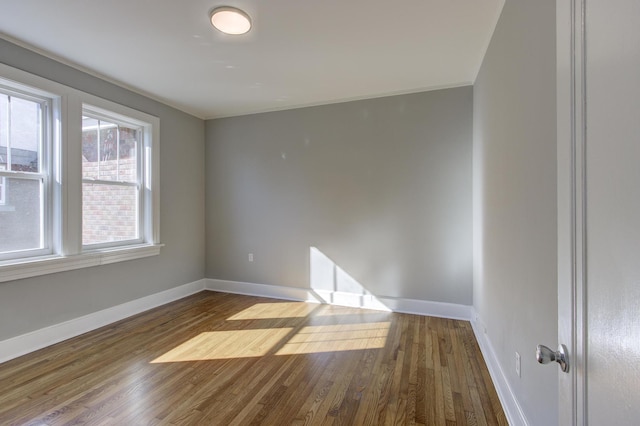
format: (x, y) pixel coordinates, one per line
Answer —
(262, 290)
(409, 306)
(513, 411)
(29, 342)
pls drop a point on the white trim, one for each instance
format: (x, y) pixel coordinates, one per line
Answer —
(428, 308)
(572, 210)
(33, 267)
(455, 85)
(262, 290)
(3, 186)
(26, 343)
(512, 409)
(353, 300)
(409, 306)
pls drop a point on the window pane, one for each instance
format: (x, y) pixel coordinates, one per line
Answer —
(109, 151)
(20, 134)
(127, 152)
(99, 149)
(109, 213)
(21, 215)
(25, 130)
(89, 148)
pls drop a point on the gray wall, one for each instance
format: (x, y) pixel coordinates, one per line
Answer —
(381, 187)
(515, 290)
(31, 304)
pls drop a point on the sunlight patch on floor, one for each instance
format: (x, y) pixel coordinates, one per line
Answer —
(336, 338)
(225, 345)
(215, 345)
(275, 310)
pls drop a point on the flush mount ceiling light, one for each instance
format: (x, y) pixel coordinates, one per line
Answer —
(230, 20)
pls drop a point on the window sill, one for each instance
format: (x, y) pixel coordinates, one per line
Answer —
(25, 268)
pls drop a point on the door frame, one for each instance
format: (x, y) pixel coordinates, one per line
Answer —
(572, 210)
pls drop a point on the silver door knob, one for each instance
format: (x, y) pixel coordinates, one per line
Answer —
(544, 355)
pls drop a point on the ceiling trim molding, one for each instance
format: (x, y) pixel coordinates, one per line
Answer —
(345, 100)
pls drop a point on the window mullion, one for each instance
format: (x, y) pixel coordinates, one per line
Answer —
(72, 177)
(9, 162)
(117, 152)
(45, 167)
(143, 200)
(110, 182)
(22, 175)
(98, 147)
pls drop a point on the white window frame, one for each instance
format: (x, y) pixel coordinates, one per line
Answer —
(65, 175)
(3, 191)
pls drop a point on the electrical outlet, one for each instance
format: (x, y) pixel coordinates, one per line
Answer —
(250, 257)
(518, 364)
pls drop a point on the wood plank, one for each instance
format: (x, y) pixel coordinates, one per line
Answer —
(215, 358)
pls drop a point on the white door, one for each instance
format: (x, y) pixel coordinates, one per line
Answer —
(599, 210)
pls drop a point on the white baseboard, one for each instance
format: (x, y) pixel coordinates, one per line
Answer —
(410, 306)
(510, 404)
(262, 290)
(341, 298)
(23, 344)
(428, 308)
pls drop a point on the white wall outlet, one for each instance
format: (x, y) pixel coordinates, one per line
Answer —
(250, 257)
(518, 364)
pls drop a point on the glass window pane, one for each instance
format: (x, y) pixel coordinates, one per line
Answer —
(109, 213)
(21, 215)
(25, 129)
(127, 153)
(89, 148)
(108, 151)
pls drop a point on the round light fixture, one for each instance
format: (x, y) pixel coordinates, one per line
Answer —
(230, 20)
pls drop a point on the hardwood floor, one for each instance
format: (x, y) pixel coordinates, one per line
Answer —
(223, 359)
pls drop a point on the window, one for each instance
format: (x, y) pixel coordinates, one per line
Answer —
(112, 179)
(78, 179)
(24, 177)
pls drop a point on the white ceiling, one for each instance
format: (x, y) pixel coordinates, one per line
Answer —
(299, 52)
